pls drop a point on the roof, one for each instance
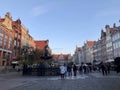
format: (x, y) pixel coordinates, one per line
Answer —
(1, 19)
(90, 43)
(78, 48)
(57, 56)
(112, 29)
(41, 43)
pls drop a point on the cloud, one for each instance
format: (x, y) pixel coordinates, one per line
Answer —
(39, 10)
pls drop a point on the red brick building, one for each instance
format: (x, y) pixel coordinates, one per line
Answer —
(6, 39)
(40, 44)
(62, 58)
(16, 26)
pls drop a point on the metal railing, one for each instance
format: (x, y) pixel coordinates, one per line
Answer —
(40, 71)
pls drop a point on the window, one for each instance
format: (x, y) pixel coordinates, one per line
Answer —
(6, 30)
(16, 34)
(18, 44)
(1, 30)
(9, 43)
(5, 41)
(15, 42)
(10, 34)
(1, 42)
(1, 37)
(19, 36)
(114, 46)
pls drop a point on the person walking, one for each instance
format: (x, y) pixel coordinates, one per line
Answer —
(108, 68)
(81, 69)
(65, 75)
(74, 69)
(69, 69)
(104, 69)
(62, 71)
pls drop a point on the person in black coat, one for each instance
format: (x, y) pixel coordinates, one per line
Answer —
(74, 69)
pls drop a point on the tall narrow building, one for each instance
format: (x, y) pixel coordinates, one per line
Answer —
(6, 39)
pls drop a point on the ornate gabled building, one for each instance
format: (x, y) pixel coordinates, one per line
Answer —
(24, 37)
(88, 52)
(103, 45)
(16, 26)
(15, 41)
(43, 45)
(84, 54)
(31, 42)
(97, 51)
(6, 39)
(109, 45)
(77, 59)
(40, 44)
(13, 38)
(116, 41)
(62, 58)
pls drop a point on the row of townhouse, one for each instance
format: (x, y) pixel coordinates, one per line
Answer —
(105, 49)
(14, 40)
(13, 37)
(62, 59)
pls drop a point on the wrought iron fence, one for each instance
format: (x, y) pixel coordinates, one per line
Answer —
(41, 71)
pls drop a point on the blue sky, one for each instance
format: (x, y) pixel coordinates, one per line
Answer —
(66, 23)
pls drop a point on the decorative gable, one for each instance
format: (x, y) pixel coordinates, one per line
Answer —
(8, 21)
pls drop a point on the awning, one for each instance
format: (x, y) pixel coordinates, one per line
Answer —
(14, 62)
(110, 60)
(14, 57)
(96, 63)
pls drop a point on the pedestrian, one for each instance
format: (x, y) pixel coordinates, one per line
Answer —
(25, 69)
(65, 75)
(69, 70)
(104, 69)
(85, 68)
(62, 71)
(118, 68)
(81, 69)
(74, 69)
(108, 67)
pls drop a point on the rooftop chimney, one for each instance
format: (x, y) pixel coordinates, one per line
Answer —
(114, 25)
(107, 26)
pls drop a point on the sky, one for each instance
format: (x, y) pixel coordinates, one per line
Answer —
(65, 23)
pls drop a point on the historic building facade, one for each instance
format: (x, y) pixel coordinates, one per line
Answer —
(103, 45)
(15, 41)
(44, 46)
(116, 42)
(24, 37)
(77, 57)
(16, 26)
(62, 59)
(97, 51)
(89, 51)
(84, 54)
(6, 39)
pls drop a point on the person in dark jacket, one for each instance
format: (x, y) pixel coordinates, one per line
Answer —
(74, 69)
(104, 69)
(69, 70)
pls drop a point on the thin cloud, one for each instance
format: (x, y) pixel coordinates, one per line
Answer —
(39, 10)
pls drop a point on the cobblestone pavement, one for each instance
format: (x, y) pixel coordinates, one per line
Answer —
(91, 81)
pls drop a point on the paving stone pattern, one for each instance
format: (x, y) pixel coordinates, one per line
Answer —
(91, 81)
